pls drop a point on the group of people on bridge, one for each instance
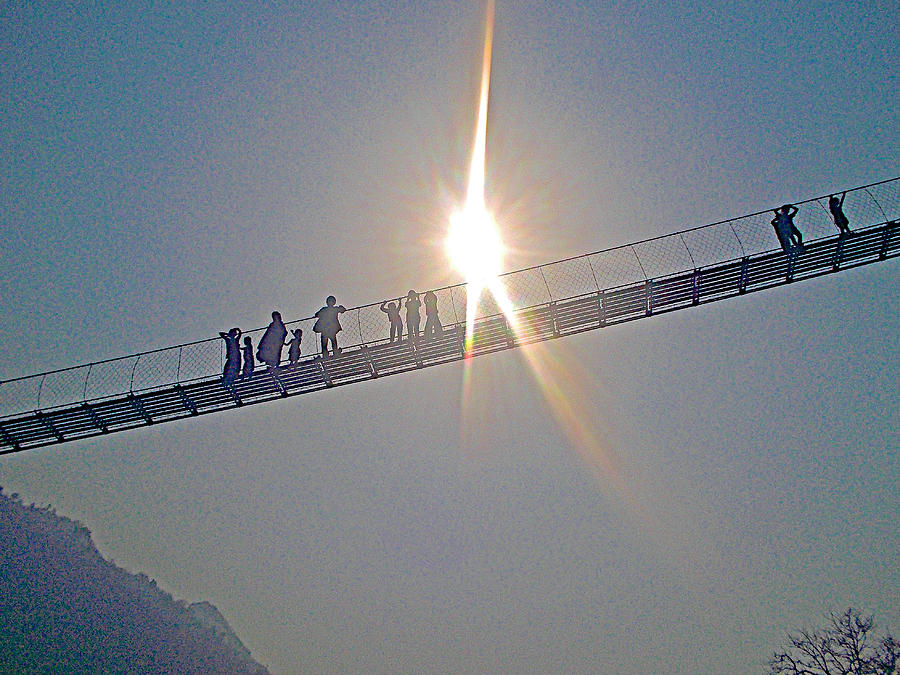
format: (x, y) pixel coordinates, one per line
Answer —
(328, 324)
(789, 236)
(240, 359)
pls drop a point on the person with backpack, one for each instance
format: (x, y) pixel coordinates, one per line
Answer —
(433, 325)
(328, 326)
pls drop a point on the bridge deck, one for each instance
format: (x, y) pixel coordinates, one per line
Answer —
(492, 333)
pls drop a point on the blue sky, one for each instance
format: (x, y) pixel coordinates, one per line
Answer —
(170, 171)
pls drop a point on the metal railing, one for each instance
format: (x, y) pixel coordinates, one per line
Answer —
(366, 325)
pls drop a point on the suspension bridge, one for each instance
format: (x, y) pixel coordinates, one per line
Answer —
(588, 292)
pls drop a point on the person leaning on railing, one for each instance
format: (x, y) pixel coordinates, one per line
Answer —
(232, 354)
(788, 235)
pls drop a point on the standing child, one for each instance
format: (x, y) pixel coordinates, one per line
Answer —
(293, 346)
(248, 357)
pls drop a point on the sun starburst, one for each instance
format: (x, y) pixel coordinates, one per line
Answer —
(473, 242)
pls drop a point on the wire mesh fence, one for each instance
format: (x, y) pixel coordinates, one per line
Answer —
(368, 325)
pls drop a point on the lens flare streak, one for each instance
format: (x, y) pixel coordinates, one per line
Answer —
(473, 242)
(475, 248)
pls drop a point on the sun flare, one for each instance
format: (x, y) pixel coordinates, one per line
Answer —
(474, 246)
(473, 241)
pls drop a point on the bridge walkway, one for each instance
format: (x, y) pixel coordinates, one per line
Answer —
(180, 394)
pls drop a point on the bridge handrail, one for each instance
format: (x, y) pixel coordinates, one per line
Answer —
(663, 255)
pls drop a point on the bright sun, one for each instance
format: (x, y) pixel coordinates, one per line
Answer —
(473, 242)
(474, 246)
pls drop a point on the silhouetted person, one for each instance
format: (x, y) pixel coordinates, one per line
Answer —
(836, 206)
(328, 326)
(412, 314)
(248, 357)
(294, 346)
(269, 349)
(232, 354)
(788, 234)
(392, 309)
(432, 320)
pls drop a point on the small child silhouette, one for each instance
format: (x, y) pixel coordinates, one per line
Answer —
(248, 357)
(293, 345)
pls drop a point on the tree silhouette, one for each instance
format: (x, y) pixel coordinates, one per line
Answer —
(846, 647)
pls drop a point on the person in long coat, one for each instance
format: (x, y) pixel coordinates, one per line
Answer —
(269, 348)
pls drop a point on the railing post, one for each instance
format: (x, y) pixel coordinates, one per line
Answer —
(601, 308)
(553, 318)
(643, 271)
(884, 215)
(277, 380)
(591, 266)
(453, 303)
(549, 293)
(86, 378)
(792, 256)
(9, 440)
(369, 360)
(745, 271)
(690, 255)
(134, 368)
(740, 243)
(838, 253)
(886, 239)
(326, 376)
(40, 388)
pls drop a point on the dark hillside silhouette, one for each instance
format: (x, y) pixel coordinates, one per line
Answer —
(65, 609)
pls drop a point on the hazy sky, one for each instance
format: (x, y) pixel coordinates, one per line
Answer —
(168, 171)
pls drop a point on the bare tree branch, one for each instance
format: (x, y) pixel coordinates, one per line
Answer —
(844, 648)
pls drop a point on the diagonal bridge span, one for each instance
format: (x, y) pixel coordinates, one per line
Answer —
(667, 273)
